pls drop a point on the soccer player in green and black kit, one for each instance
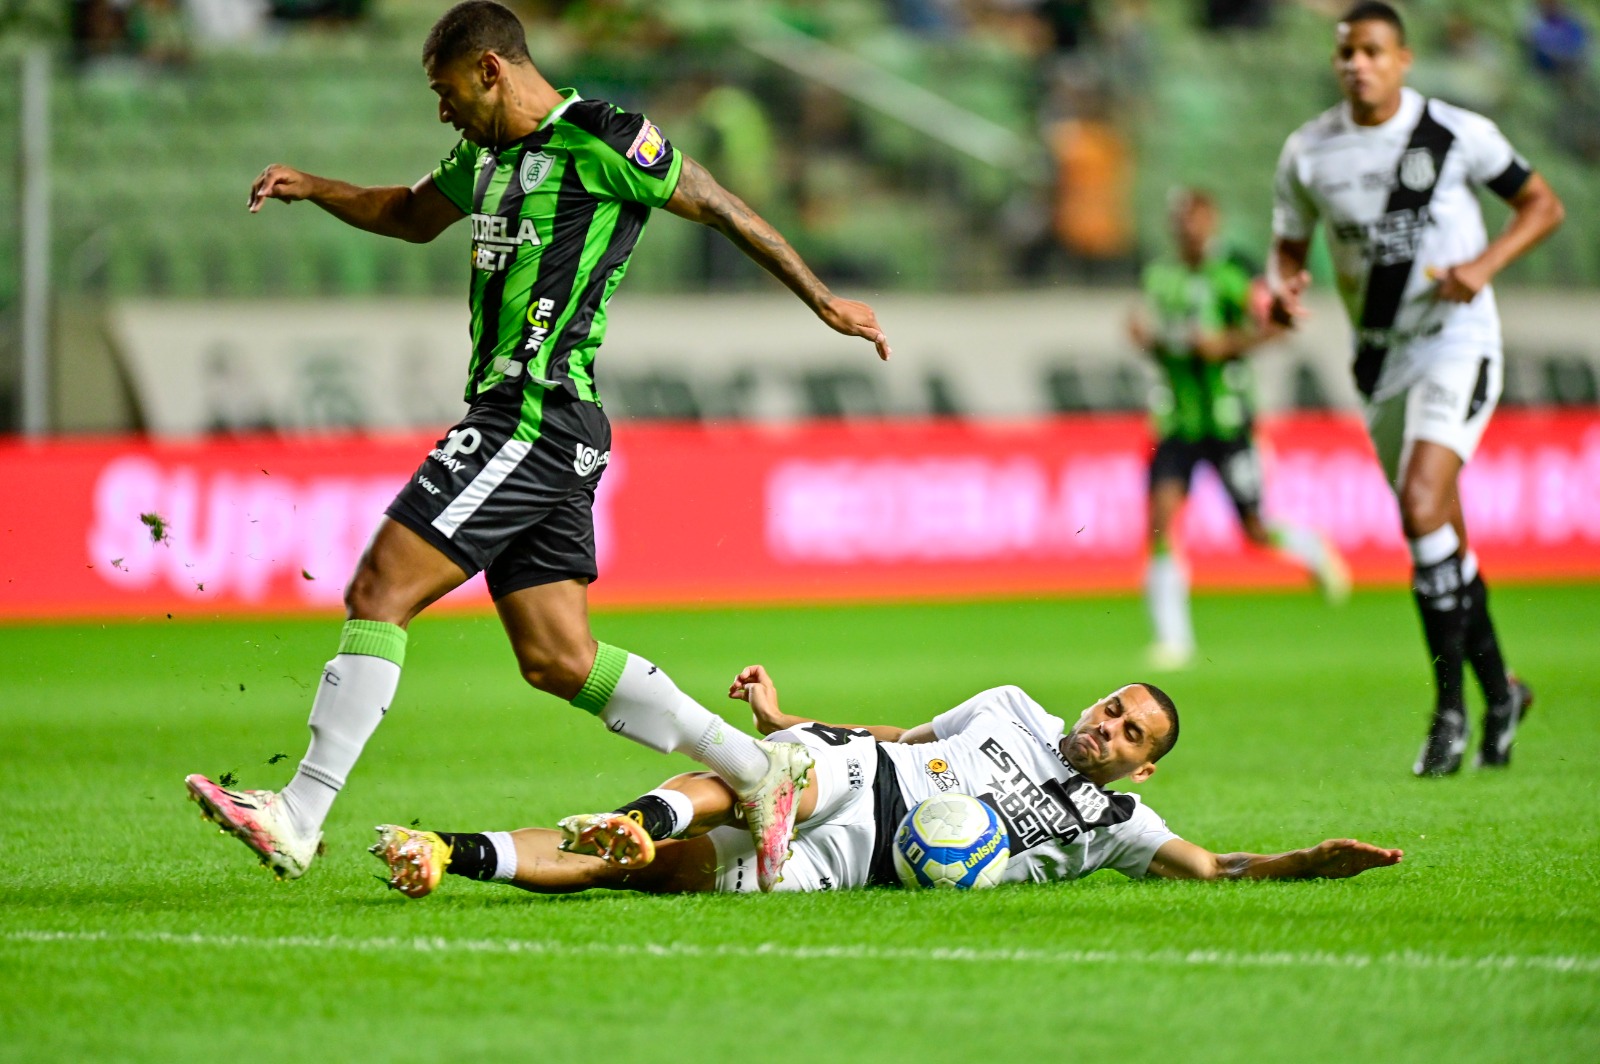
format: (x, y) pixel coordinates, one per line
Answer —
(1198, 326)
(558, 188)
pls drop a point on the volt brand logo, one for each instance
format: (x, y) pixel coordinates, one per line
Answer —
(588, 460)
(457, 441)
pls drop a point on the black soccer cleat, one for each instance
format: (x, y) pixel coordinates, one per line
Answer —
(1447, 742)
(1500, 725)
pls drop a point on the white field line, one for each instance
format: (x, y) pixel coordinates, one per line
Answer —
(1201, 958)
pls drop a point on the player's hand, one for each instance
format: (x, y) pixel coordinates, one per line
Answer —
(754, 686)
(1287, 309)
(1140, 333)
(1459, 284)
(855, 319)
(1342, 858)
(279, 182)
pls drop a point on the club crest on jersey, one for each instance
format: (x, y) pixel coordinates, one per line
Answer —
(649, 146)
(1090, 802)
(1417, 170)
(535, 168)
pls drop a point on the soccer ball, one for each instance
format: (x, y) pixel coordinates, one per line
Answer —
(952, 840)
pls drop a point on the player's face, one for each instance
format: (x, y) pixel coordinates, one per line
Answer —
(466, 99)
(1371, 63)
(1194, 223)
(1116, 737)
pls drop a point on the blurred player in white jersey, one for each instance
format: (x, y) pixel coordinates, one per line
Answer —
(1046, 782)
(1393, 178)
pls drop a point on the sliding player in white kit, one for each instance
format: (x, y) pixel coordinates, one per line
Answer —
(1393, 178)
(1047, 784)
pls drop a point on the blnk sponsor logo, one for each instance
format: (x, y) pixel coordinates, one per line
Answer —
(457, 441)
(540, 314)
(589, 459)
(494, 245)
(234, 533)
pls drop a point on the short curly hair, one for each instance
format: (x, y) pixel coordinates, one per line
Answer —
(472, 28)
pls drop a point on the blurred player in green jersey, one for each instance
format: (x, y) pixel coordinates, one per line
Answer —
(558, 189)
(1197, 323)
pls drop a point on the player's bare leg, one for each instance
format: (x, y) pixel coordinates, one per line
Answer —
(1304, 547)
(398, 576)
(549, 629)
(682, 866)
(1166, 582)
(684, 807)
(1429, 497)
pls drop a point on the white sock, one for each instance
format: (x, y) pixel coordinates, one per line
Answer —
(505, 855)
(647, 707)
(1166, 594)
(1469, 566)
(680, 805)
(353, 696)
(1301, 544)
(1435, 547)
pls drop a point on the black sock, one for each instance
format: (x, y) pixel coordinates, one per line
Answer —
(471, 855)
(651, 813)
(1483, 646)
(1444, 608)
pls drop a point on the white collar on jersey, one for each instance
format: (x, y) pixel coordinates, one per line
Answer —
(570, 97)
(1403, 119)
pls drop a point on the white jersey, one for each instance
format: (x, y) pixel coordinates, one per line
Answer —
(1344, 174)
(1004, 748)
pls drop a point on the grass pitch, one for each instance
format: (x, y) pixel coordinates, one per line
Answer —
(130, 931)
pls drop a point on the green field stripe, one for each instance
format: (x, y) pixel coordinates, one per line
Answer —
(1410, 960)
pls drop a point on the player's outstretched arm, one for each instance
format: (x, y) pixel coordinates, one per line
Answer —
(417, 214)
(1333, 859)
(699, 198)
(1536, 211)
(755, 686)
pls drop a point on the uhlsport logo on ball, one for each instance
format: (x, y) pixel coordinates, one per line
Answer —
(951, 840)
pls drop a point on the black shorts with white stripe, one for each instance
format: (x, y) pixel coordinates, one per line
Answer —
(520, 511)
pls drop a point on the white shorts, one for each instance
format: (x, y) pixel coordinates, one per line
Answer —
(833, 849)
(1450, 404)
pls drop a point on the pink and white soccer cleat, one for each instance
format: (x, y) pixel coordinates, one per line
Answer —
(770, 807)
(256, 818)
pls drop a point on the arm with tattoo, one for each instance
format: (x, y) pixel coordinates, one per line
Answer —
(699, 198)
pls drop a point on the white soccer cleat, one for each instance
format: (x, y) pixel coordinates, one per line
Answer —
(1333, 575)
(770, 807)
(416, 859)
(1169, 657)
(256, 818)
(614, 837)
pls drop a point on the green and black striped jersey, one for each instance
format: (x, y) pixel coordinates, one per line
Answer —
(1199, 399)
(555, 218)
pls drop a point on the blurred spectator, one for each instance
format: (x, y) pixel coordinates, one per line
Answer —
(1071, 23)
(226, 21)
(1091, 216)
(1236, 14)
(1558, 41)
(933, 18)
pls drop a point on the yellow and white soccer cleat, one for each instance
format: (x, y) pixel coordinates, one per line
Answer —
(256, 818)
(416, 859)
(614, 837)
(770, 807)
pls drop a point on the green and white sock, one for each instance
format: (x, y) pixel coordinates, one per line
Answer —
(1300, 545)
(354, 693)
(639, 701)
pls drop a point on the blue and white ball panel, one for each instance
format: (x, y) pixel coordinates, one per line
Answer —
(951, 840)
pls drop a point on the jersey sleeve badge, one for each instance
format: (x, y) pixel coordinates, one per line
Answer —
(649, 146)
